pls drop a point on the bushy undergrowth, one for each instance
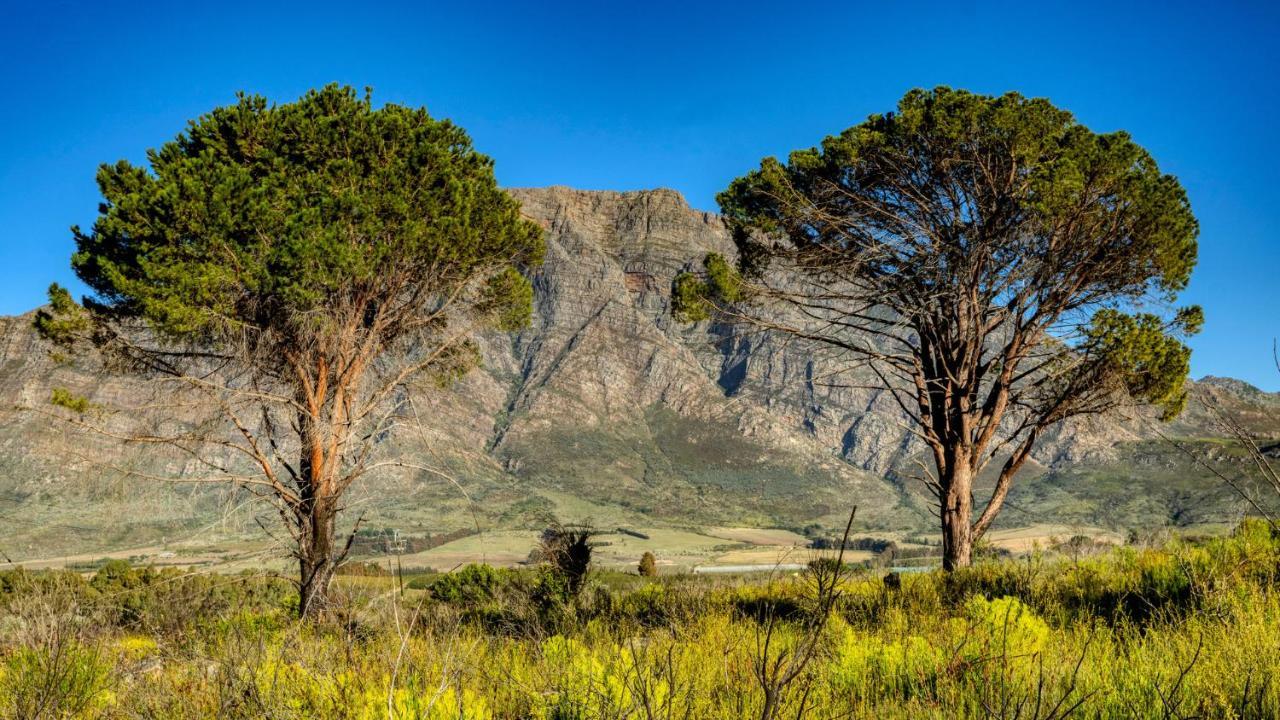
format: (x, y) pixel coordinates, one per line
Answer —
(1187, 630)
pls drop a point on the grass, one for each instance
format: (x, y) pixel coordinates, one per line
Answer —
(493, 547)
(783, 555)
(760, 536)
(1184, 630)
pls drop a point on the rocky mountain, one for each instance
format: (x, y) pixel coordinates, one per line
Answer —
(607, 409)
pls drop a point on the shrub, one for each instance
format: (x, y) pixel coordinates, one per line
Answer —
(648, 606)
(567, 549)
(1006, 626)
(648, 565)
(65, 680)
(938, 647)
(869, 667)
(472, 585)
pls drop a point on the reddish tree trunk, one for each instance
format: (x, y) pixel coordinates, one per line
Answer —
(317, 516)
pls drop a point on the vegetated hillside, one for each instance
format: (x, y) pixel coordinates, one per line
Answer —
(605, 409)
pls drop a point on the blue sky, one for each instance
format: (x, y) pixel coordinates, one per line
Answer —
(638, 95)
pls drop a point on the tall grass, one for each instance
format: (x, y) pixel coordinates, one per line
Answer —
(1186, 630)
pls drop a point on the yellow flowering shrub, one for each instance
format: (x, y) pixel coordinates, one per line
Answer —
(134, 648)
(866, 665)
(1006, 625)
(586, 682)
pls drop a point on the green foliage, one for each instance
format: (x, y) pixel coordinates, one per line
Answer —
(1007, 623)
(160, 601)
(323, 224)
(688, 298)
(864, 667)
(1150, 364)
(723, 279)
(509, 297)
(64, 398)
(693, 297)
(63, 321)
(1066, 174)
(472, 584)
(62, 680)
(265, 215)
(1060, 164)
(649, 606)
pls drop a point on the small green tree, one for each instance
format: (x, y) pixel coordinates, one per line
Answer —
(992, 264)
(294, 269)
(648, 565)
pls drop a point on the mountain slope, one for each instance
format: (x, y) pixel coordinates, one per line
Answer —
(604, 409)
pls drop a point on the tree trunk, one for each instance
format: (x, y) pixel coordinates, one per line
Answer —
(957, 515)
(770, 707)
(317, 517)
(317, 560)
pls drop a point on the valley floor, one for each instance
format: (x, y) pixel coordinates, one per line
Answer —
(676, 549)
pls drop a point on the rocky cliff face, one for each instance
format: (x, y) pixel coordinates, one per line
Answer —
(603, 408)
(610, 395)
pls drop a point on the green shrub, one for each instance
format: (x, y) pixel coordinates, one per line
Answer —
(471, 585)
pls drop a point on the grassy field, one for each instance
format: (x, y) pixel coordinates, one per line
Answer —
(676, 550)
(1183, 630)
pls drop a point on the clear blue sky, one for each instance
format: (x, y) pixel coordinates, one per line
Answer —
(636, 95)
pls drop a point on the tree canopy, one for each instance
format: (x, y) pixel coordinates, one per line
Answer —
(259, 217)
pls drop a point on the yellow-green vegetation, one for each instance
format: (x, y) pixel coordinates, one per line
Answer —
(1183, 630)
